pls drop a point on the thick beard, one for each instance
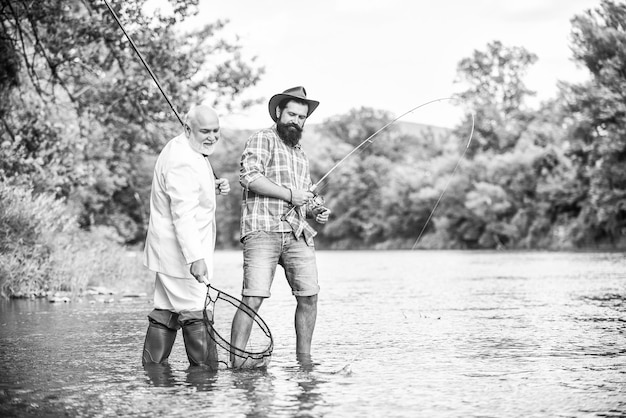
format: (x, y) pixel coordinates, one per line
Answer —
(289, 133)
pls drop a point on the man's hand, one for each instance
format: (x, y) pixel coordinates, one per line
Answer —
(321, 214)
(300, 197)
(199, 270)
(222, 186)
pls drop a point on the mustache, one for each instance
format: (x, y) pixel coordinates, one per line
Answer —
(294, 126)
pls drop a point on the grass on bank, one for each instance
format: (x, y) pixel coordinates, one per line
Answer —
(43, 251)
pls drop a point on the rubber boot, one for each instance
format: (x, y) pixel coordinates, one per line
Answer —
(158, 344)
(200, 347)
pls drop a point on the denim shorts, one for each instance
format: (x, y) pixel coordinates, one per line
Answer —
(263, 251)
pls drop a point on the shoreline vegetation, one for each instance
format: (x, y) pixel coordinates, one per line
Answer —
(45, 254)
(81, 130)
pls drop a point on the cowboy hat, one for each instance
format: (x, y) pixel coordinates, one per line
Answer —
(298, 93)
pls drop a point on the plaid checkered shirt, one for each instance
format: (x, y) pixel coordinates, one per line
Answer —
(265, 154)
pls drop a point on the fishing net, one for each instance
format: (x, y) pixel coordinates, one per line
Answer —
(220, 309)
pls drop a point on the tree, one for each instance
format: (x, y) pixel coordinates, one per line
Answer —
(500, 177)
(79, 111)
(373, 194)
(496, 93)
(598, 130)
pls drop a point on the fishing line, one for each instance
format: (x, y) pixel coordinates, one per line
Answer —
(369, 140)
(318, 199)
(315, 188)
(456, 166)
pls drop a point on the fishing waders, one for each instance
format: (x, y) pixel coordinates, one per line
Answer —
(160, 336)
(200, 347)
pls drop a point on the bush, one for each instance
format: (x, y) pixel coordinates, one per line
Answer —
(43, 251)
(83, 259)
(28, 224)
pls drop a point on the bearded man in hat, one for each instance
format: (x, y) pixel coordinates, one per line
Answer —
(181, 239)
(274, 231)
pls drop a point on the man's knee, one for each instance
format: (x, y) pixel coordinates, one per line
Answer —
(253, 302)
(307, 301)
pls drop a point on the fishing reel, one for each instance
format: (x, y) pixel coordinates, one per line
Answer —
(317, 200)
(316, 204)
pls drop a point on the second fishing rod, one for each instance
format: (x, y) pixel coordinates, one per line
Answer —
(317, 202)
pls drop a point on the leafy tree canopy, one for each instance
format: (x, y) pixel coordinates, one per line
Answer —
(79, 111)
(598, 131)
(496, 92)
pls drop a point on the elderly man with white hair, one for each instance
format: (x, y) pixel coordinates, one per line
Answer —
(181, 238)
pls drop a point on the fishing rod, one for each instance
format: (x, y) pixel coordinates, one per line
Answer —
(317, 199)
(143, 61)
(369, 140)
(145, 64)
(319, 202)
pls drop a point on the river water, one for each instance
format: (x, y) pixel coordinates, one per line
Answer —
(399, 334)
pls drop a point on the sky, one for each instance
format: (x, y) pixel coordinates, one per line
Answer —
(390, 54)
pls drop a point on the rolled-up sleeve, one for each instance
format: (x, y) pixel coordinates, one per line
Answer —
(254, 159)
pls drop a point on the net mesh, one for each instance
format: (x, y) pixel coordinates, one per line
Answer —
(220, 309)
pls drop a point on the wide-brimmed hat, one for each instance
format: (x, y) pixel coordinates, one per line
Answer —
(292, 93)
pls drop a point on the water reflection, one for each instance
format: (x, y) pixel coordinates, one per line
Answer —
(305, 362)
(308, 397)
(257, 389)
(202, 378)
(160, 375)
